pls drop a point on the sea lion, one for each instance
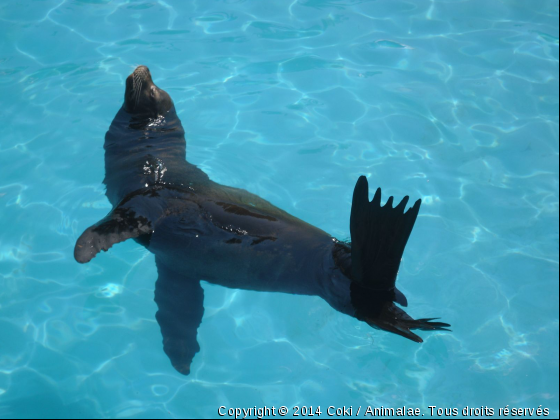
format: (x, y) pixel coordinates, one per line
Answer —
(200, 230)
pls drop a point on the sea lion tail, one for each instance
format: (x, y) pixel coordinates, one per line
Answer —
(379, 235)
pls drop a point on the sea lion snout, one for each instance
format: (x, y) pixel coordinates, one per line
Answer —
(142, 73)
(142, 97)
(141, 68)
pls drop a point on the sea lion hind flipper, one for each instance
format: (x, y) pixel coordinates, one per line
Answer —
(379, 235)
(393, 319)
(180, 302)
(118, 226)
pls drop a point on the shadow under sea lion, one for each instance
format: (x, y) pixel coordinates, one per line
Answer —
(201, 230)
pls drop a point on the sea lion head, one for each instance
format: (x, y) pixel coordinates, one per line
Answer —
(142, 97)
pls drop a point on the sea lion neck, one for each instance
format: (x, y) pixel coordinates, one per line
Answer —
(140, 153)
(131, 131)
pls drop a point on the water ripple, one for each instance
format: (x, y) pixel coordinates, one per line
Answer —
(454, 102)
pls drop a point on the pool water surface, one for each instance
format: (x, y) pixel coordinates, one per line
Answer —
(451, 101)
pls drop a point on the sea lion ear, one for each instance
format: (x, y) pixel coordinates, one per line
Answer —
(119, 225)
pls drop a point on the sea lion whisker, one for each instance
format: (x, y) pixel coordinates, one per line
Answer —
(136, 88)
(138, 95)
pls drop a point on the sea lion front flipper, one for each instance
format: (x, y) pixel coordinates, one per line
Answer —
(134, 217)
(118, 226)
(180, 300)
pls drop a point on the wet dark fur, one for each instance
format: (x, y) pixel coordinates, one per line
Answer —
(200, 230)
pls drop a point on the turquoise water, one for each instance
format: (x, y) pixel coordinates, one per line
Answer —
(452, 101)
